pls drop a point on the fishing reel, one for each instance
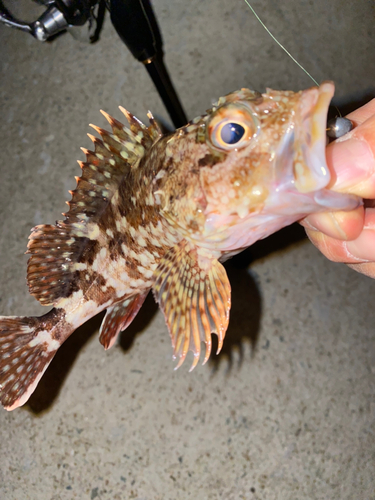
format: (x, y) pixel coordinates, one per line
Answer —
(60, 16)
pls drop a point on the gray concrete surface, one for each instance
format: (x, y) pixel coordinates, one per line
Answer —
(287, 411)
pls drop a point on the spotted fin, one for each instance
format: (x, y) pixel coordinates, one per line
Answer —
(118, 318)
(115, 154)
(193, 292)
(50, 270)
(55, 250)
(27, 347)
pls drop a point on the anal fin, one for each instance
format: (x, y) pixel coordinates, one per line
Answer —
(118, 318)
(193, 292)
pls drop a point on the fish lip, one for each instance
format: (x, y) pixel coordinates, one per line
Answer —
(310, 169)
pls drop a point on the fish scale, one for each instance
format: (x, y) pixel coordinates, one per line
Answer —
(162, 212)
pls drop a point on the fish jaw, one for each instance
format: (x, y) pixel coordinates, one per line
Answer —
(310, 168)
(299, 162)
(300, 168)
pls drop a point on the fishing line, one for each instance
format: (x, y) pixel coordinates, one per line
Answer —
(279, 44)
(336, 127)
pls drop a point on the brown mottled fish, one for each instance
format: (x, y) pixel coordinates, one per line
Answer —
(162, 212)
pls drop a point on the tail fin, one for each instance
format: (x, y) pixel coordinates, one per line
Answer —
(27, 346)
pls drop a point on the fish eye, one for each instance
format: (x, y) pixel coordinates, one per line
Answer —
(231, 133)
(231, 127)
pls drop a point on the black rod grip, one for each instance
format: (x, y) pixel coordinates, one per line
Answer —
(134, 28)
(159, 75)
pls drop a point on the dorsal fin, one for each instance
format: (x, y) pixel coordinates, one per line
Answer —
(55, 249)
(114, 154)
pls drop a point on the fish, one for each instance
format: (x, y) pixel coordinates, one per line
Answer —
(162, 212)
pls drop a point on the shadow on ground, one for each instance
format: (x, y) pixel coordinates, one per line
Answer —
(53, 379)
(246, 310)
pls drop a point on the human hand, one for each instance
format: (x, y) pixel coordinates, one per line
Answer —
(350, 236)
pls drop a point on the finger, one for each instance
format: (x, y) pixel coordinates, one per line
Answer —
(363, 247)
(362, 114)
(367, 268)
(360, 250)
(351, 160)
(340, 225)
(332, 248)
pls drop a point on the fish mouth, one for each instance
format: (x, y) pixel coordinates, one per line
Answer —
(310, 168)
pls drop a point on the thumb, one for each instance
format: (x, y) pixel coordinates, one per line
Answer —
(351, 160)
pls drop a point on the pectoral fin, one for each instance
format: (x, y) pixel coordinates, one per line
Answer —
(193, 292)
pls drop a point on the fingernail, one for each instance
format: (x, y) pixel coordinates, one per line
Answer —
(352, 160)
(362, 248)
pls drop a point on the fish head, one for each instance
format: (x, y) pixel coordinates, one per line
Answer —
(253, 164)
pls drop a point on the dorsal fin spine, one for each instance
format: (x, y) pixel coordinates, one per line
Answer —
(154, 129)
(92, 137)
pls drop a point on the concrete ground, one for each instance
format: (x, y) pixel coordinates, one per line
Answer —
(287, 411)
